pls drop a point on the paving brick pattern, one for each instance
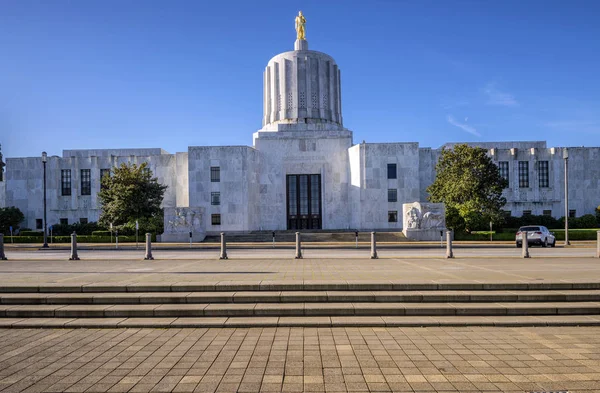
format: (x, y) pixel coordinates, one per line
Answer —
(301, 360)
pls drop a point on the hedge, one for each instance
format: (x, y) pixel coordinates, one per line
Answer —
(101, 233)
(80, 239)
(31, 233)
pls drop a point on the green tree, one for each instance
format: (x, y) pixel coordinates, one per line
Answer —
(470, 185)
(131, 194)
(10, 217)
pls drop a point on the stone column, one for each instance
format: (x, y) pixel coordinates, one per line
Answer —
(449, 253)
(3, 256)
(525, 244)
(148, 247)
(223, 247)
(373, 246)
(298, 247)
(74, 256)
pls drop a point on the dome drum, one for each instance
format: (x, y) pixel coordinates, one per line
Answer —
(302, 87)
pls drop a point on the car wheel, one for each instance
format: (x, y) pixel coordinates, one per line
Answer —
(518, 245)
(545, 244)
(553, 243)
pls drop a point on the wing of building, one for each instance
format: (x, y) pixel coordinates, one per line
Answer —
(304, 170)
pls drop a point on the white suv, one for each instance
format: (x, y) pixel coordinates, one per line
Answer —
(536, 234)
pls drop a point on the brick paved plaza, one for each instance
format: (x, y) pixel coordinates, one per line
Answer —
(301, 359)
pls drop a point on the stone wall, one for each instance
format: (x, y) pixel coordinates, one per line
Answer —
(24, 187)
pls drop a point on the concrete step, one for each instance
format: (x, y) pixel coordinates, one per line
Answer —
(299, 285)
(307, 321)
(297, 309)
(438, 296)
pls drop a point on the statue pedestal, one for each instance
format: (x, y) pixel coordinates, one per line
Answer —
(425, 235)
(301, 45)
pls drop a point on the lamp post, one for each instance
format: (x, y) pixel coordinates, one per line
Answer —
(44, 160)
(566, 157)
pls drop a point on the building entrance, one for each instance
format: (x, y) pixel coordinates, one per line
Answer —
(303, 197)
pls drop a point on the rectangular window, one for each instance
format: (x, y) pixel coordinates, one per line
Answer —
(392, 216)
(543, 171)
(572, 213)
(86, 182)
(83, 220)
(147, 172)
(64, 221)
(103, 172)
(39, 223)
(547, 213)
(503, 167)
(392, 171)
(392, 195)
(65, 182)
(526, 212)
(215, 219)
(523, 174)
(506, 213)
(215, 174)
(215, 198)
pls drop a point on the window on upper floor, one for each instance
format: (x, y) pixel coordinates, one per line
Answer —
(391, 171)
(86, 182)
(215, 198)
(543, 174)
(215, 174)
(215, 219)
(392, 195)
(503, 168)
(523, 174)
(393, 216)
(65, 182)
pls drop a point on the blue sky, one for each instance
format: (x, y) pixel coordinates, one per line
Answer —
(173, 74)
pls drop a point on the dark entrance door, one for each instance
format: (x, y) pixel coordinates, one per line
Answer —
(304, 202)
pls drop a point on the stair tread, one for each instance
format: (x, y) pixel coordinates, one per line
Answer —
(390, 321)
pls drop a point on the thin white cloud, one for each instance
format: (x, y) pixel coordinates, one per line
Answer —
(462, 126)
(497, 97)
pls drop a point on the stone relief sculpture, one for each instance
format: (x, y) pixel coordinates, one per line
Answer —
(300, 29)
(182, 219)
(424, 216)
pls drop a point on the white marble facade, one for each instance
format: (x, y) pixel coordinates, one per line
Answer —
(362, 186)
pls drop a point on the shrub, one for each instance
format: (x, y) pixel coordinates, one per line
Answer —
(101, 233)
(31, 233)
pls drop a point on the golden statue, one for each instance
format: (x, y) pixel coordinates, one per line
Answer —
(300, 22)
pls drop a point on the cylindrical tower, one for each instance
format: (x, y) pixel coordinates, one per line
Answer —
(302, 86)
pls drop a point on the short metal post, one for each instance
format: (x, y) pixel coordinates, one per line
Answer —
(223, 247)
(298, 247)
(273, 239)
(356, 236)
(3, 256)
(449, 253)
(373, 246)
(598, 245)
(74, 256)
(525, 244)
(117, 239)
(148, 247)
